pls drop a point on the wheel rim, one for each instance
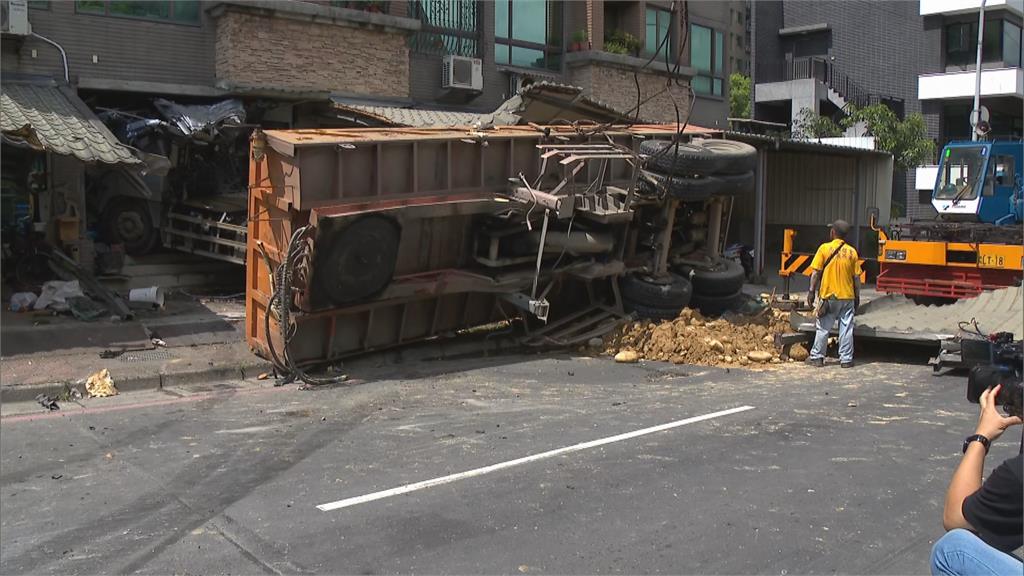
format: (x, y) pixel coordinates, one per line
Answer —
(130, 226)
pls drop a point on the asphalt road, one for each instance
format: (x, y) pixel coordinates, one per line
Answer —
(831, 471)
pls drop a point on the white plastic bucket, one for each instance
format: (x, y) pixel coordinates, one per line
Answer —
(152, 296)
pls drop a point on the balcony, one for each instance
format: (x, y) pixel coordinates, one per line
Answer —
(952, 7)
(999, 82)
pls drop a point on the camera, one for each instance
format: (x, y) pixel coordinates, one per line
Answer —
(998, 359)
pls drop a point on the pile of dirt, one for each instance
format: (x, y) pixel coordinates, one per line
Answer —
(693, 339)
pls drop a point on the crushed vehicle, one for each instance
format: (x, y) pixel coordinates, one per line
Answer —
(197, 203)
(364, 239)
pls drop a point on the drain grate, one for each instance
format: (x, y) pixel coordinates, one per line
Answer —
(146, 355)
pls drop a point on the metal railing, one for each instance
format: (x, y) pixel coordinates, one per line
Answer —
(828, 74)
(449, 27)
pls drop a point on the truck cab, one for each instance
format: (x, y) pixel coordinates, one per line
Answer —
(980, 182)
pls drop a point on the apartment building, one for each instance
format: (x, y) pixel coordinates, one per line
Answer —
(946, 81)
(916, 57)
(297, 52)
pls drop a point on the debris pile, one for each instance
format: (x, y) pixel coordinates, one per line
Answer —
(693, 339)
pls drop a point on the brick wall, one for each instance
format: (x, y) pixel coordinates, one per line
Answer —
(264, 51)
(614, 86)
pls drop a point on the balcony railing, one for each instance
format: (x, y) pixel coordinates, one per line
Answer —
(449, 27)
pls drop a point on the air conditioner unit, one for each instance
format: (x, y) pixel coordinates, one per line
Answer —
(14, 17)
(462, 73)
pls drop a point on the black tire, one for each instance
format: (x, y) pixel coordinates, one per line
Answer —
(127, 221)
(715, 305)
(733, 157)
(702, 157)
(736, 184)
(356, 261)
(722, 277)
(682, 188)
(674, 293)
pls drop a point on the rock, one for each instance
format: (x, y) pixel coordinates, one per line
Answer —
(595, 342)
(744, 360)
(759, 356)
(627, 357)
(696, 322)
(776, 360)
(678, 360)
(716, 346)
(768, 338)
(727, 359)
(729, 348)
(798, 352)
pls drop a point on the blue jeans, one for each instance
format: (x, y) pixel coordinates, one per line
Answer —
(841, 310)
(961, 553)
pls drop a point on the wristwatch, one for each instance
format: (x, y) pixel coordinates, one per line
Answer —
(977, 437)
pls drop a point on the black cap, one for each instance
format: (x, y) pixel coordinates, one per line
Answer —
(841, 227)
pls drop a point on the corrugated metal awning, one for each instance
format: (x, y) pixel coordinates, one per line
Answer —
(49, 116)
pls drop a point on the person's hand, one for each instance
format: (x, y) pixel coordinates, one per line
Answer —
(992, 424)
(810, 298)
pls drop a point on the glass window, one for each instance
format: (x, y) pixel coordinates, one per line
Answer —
(170, 10)
(528, 33)
(959, 173)
(700, 48)
(658, 25)
(39, 4)
(719, 51)
(1011, 45)
(707, 57)
(962, 43)
(1002, 170)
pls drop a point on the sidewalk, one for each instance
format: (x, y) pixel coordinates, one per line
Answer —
(190, 341)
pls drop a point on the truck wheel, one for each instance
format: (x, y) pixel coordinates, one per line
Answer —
(683, 188)
(721, 277)
(651, 298)
(356, 261)
(703, 157)
(715, 305)
(127, 221)
(736, 184)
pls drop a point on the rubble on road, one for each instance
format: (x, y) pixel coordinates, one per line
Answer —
(693, 339)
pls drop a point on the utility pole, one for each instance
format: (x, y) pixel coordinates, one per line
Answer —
(976, 113)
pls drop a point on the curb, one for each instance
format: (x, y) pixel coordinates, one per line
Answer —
(28, 392)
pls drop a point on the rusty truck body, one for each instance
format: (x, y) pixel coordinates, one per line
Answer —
(365, 239)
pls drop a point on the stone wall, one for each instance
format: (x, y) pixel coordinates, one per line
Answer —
(261, 50)
(615, 87)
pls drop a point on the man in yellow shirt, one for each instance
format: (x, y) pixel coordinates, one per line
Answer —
(836, 280)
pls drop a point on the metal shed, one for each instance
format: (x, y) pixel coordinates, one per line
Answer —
(806, 185)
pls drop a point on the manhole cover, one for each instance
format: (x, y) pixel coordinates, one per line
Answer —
(146, 355)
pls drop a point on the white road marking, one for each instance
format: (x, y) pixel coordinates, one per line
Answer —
(524, 460)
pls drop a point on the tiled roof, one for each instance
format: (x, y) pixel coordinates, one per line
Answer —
(52, 117)
(540, 102)
(412, 117)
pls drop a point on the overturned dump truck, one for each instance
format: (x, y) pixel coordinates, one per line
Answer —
(364, 239)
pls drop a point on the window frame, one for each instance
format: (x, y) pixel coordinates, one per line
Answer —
(554, 54)
(198, 22)
(715, 78)
(659, 13)
(997, 53)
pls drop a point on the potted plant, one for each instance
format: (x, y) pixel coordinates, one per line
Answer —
(622, 43)
(579, 41)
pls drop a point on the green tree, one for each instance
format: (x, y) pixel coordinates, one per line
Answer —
(907, 140)
(739, 95)
(810, 125)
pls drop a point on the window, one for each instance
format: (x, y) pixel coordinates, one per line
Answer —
(449, 27)
(1011, 45)
(39, 4)
(528, 33)
(658, 25)
(962, 43)
(171, 10)
(707, 51)
(1002, 170)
